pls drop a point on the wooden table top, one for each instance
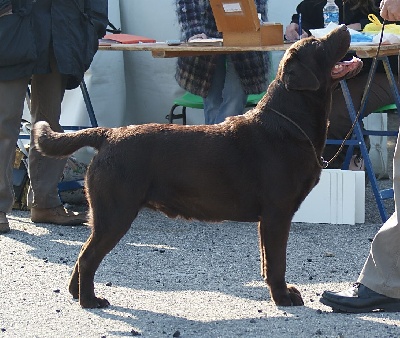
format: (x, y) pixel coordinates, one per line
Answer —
(162, 50)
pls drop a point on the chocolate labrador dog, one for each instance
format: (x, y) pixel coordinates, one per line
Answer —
(256, 167)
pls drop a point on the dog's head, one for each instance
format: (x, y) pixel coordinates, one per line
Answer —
(311, 63)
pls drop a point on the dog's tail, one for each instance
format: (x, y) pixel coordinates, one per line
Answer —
(56, 144)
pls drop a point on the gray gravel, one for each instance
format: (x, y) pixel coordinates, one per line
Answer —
(185, 279)
(200, 279)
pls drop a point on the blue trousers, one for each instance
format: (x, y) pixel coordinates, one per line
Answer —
(226, 96)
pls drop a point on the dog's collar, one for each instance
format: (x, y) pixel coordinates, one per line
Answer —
(320, 160)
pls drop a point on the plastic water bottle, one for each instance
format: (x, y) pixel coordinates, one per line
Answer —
(331, 13)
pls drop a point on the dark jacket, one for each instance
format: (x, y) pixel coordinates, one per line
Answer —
(71, 28)
(194, 74)
(312, 18)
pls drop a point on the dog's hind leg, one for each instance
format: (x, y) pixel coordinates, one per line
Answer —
(73, 285)
(273, 237)
(105, 236)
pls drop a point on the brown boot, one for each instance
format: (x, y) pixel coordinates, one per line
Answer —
(57, 215)
(4, 226)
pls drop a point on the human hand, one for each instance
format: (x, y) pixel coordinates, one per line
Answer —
(355, 26)
(292, 32)
(198, 36)
(390, 10)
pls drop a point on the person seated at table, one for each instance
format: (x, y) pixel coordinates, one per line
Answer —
(353, 13)
(224, 81)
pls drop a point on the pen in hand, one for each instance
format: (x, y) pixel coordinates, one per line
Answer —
(300, 28)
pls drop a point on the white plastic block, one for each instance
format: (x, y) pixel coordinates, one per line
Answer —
(338, 198)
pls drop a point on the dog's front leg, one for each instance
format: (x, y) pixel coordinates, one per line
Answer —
(273, 239)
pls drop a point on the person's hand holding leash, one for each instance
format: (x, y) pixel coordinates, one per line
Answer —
(390, 10)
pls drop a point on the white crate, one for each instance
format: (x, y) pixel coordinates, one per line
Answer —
(338, 198)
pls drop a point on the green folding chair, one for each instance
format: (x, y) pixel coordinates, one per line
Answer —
(189, 100)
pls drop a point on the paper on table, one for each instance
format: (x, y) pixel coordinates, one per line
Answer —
(387, 38)
(319, 33)
(206, 42)
(357, 38)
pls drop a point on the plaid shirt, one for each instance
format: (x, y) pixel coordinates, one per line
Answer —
(194, 74)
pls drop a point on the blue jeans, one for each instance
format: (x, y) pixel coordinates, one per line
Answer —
(226, 96)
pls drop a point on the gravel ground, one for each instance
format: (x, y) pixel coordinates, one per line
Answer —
(172, 278)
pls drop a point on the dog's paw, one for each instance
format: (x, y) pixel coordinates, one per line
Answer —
(74, 290)
(295, 295)
(94, 303)
(288, 297)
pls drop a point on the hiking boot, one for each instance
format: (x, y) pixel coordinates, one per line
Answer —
(57, 215)
(4, 227)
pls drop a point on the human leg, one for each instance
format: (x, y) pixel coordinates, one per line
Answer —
(381, 271)
(12, 94)
(45, 172)
(234, 97)
(378, 285)
(213, 101)
(47, 92)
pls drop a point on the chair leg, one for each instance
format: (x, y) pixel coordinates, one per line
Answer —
(88, 103)
(171, 116)
(184, 115)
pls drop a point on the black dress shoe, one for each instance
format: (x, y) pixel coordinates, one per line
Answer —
(359, 299)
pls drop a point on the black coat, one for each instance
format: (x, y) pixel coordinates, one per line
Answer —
(312, 18)
(71, 28)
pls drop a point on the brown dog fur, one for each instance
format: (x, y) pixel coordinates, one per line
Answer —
(256, 167)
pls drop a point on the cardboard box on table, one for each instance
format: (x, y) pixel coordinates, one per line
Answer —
(240, 26)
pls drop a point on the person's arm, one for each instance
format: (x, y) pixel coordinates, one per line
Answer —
(390, 10)
(97, 10)
(292, 30)
(311, 18)
(261, 6)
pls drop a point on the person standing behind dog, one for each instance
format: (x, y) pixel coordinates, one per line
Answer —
(353, 13)
(50, 43)
(378, 285)
(224, 81)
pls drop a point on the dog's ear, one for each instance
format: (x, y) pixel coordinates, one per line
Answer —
(297, 76)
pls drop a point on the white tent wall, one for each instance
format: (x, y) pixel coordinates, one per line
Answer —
(151, 86)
